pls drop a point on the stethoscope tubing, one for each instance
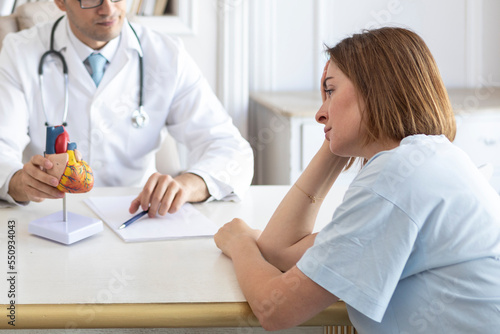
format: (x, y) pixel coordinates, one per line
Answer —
(53, 52)
(140, 120)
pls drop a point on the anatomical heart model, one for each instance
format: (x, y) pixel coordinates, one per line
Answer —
(74, 174)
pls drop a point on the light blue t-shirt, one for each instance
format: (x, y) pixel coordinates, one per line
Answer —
(415, 245)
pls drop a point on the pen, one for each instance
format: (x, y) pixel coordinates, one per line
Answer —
(133, 219)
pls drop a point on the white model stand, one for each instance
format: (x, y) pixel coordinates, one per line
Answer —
(65, 227)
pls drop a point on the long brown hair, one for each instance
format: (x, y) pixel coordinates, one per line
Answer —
(399, 84)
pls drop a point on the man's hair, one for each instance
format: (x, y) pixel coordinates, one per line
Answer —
(398, 82)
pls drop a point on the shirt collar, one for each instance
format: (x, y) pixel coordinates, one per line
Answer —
(83, 51)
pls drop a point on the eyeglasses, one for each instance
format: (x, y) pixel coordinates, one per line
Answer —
(87, 4)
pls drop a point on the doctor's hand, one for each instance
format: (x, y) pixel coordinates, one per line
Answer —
(32, 183)
(235, 234)
(164, 194)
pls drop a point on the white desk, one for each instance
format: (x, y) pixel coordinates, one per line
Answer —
(103, 282)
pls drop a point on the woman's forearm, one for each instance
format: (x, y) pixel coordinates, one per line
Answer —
(278, 300)
(288, 232)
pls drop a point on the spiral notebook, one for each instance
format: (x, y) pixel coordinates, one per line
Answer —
(188, 222)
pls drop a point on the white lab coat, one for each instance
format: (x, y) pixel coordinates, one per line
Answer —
(176, 96)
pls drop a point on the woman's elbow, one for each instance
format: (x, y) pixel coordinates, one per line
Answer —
(270, 324)
(273, 255)
(273, 319)
(266, 248)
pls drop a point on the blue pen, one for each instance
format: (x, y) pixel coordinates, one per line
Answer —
(133, 219)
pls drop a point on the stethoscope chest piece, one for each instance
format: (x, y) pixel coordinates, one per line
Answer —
(139, 118)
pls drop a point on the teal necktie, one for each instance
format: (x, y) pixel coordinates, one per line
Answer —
(97, 62)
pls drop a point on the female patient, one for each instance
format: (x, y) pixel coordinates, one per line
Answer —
(415, 244)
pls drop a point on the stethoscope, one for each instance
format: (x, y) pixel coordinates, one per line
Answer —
(140, 118)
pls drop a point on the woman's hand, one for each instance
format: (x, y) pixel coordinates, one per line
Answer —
(234, 234)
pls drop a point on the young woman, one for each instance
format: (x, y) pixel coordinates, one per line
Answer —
(415, 244)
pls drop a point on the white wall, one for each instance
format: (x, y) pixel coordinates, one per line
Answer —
(202, 45)
(463, 36)
(195, 23)
(277, 45)
(491, 41)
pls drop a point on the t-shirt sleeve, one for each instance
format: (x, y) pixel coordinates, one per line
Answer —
(360, 255)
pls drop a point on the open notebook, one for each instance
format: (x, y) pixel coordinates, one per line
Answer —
(187, 222)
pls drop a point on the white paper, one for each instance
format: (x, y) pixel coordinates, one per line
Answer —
(187, 222)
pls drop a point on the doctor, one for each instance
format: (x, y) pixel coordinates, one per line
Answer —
(102, 113)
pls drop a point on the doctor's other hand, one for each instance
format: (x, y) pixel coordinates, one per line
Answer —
(164, 194)
(32, 183)
(235, 234)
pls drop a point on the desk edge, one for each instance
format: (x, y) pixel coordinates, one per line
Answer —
(178, 315)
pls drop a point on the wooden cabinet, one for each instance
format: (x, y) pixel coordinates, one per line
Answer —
(285, 135)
